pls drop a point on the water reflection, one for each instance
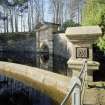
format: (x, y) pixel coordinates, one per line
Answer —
(13, 92)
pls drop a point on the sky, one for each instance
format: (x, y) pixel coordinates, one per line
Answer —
(47, 16)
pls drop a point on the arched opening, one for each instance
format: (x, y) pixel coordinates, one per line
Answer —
(44, 53)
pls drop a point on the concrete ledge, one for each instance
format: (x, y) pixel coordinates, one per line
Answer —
(77, 65)
(52, 84)
(83, 31)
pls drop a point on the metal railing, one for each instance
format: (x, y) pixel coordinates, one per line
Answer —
(82, 77)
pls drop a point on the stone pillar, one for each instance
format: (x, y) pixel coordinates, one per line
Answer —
(82, 39)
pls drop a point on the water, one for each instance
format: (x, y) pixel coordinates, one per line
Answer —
(13, 92)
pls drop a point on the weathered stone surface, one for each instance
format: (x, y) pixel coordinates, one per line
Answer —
(94, 96)
(62, 46)
(52, 84)
(82, 39)
(44, 36)
(76, 65)
(83, 30)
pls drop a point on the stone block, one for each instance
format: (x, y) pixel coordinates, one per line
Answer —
(83, 37)
(75, 67)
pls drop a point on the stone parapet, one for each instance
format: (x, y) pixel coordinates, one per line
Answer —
(76, 65)
(52, 84)
(82, 39)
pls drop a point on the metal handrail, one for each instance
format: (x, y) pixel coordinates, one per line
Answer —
(84, 83)
(83, 71)
(67, 96)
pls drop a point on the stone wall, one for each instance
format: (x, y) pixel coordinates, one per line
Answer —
(18, 41)
(44, 37)
(18, 47)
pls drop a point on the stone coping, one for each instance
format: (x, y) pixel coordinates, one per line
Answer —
(84, 30)
(77, 64)
(52, 84)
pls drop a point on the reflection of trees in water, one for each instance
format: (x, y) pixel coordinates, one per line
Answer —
(13, 92)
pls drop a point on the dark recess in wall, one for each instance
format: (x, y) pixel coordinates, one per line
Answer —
(99, 56)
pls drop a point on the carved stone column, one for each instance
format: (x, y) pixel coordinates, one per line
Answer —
(82, 39)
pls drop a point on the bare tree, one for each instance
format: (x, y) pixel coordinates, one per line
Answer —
(57, 10)
(16, 19)
(7, 23)
(14, 10)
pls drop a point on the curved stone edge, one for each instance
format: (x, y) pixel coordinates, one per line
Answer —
(51, 84)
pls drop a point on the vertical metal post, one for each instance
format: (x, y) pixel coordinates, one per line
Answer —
(76, 95)
(76, 85)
